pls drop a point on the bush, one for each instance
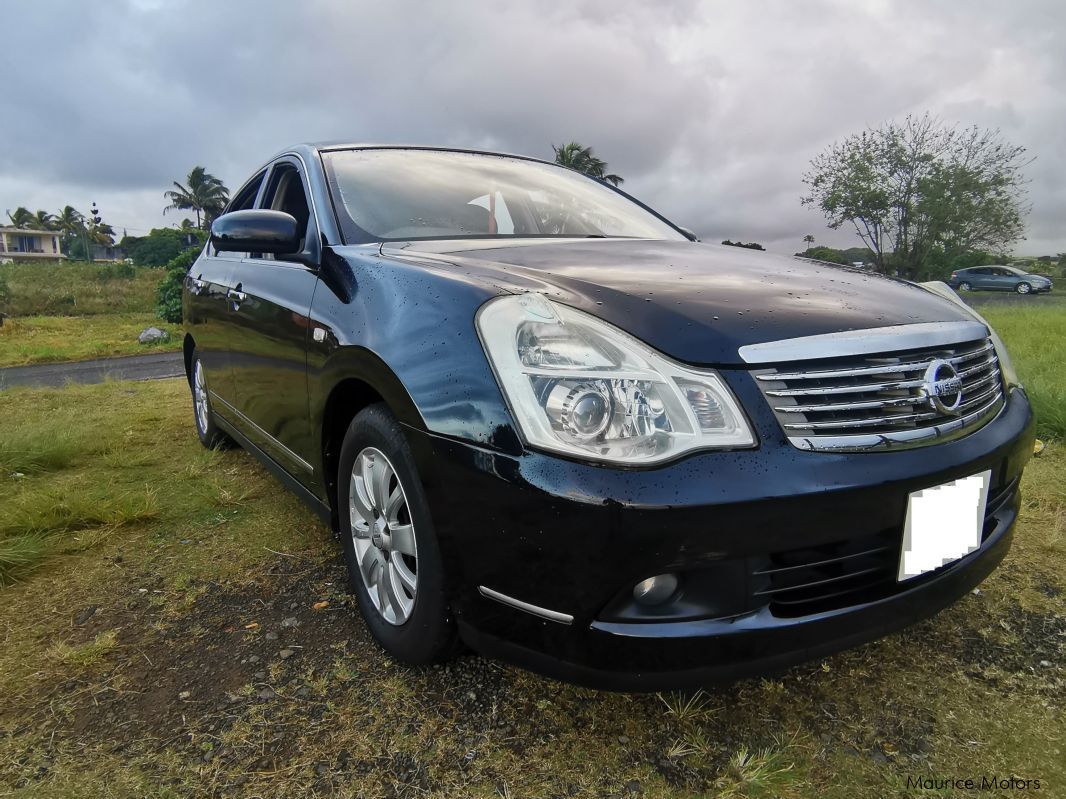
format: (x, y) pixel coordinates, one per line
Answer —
(168, 296)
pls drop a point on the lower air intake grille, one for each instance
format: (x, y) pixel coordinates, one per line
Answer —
(799, 582)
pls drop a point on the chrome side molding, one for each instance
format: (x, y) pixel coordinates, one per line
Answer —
(518, 604)
(281, 447)
(893, 338)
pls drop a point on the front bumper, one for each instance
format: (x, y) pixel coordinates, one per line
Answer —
(572, 538)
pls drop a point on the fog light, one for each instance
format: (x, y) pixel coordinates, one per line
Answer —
(655, 590)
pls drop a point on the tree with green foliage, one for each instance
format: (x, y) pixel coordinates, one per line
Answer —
(750, 246)
(827, 254)
(808, 240)
(202, 193)
(919, 189)
(20, 217)
(69, 222)
(42, 220)
(160, 246)
(582, 159)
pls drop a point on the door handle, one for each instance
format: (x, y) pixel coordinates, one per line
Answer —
(197, 284)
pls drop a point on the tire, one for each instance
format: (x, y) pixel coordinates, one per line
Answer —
(402, 595)
(965, 287)
(1023, 288)
(209, 433)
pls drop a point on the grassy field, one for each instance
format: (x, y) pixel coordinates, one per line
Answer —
(173, 624)
(40, 339)
(62, 311)
(1034, 329)
(61, 288)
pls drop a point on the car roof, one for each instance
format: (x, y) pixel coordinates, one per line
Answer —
(312, 149)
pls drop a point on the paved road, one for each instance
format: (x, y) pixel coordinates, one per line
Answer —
(134, 367)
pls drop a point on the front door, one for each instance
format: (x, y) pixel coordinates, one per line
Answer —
(271, 326)
(210, 284)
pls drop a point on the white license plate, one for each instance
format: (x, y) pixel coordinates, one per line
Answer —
(944, 523)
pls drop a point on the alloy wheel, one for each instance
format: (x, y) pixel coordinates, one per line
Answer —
(964, 286)
(384, 536)
(1024, 288)
(199, 392)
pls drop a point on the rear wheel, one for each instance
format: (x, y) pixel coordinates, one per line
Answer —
(210, 435)
(964, 286)
(1023, 288)
(394, 562)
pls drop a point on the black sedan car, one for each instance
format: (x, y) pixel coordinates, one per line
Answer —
(547, 423)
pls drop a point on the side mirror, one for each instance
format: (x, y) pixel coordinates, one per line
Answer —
(256, 231)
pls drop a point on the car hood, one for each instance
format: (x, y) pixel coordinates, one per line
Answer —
(698, 303)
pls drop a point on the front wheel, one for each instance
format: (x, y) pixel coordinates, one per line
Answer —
(394, 562)
(1023, 288)
(965, 287)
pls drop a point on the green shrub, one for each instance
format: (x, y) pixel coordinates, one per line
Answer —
(168, 296)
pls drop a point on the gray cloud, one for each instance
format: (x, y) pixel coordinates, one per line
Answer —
(710, 110)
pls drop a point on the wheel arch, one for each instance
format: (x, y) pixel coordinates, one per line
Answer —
(354, 379)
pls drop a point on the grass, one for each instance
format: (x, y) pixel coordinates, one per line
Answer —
(84, 655)
(65, 288)
(66, 311)
(151, 587)
(1034, 330)
(43, 339)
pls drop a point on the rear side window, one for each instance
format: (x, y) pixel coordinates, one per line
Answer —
(245, 198)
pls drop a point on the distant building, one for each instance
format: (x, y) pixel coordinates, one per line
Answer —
(21, 243)
(108, 252)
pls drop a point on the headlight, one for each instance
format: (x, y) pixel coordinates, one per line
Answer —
(1010, 377)
(580, 386)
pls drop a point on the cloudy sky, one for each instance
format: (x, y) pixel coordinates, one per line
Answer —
(710, 110)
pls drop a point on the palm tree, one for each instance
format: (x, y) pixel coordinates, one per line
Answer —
(102, 234)
(42, 220)
(20, 217)
(809, 240)
(202, 193)
(70, 222)
(580, 158)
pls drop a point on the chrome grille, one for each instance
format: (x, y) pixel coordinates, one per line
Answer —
(874, 401)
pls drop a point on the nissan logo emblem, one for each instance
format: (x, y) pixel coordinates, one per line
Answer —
(943, 387)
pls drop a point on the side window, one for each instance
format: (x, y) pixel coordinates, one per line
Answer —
(245, 198)
(285, 192)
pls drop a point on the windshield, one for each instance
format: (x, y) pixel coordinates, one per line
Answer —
(398, 195)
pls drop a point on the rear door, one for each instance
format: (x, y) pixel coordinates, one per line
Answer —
(210, 322)
(270, 313)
